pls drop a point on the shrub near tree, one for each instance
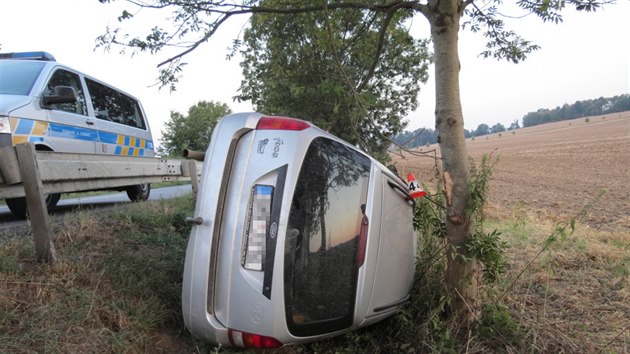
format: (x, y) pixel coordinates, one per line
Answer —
(324, 67)
(191, 131)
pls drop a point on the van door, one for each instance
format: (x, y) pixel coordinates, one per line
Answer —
(120, 121)
(69, 128)
(396, 249)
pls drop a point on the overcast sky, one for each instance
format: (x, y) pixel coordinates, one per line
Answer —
(587, 56)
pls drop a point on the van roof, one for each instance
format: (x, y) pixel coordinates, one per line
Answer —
(45, 56)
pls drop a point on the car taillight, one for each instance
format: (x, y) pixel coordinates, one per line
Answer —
(250, 340)
(281, 123)
(258, 215)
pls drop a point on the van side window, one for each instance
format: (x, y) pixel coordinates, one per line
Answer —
(65, 78)
(114, 106)
(322, 239)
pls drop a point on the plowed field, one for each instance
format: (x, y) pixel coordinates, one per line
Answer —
(555, 169)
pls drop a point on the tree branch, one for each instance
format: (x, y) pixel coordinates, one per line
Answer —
(228, 10)
(379, 47)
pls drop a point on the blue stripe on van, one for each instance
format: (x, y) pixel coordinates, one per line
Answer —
(24, 127)
(69, 132)
(108, 138)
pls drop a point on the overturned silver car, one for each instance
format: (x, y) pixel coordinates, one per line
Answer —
(300, 236)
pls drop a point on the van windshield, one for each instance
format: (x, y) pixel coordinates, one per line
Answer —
(321, 245)
(17, 77)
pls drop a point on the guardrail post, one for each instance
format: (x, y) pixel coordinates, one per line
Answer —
(9, 165)
(35, 202)
(194, 179)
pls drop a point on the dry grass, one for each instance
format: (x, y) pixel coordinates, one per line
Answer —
(574, 297)
(115, 288)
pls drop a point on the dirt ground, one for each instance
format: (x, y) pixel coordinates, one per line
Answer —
(554, 170)
(574, 297)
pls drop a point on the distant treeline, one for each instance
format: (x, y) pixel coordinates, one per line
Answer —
(578, 109)
(418, 137)
(426, 136)
(621, 103)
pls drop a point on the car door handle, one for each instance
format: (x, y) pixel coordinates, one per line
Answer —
(89, 122)
(405, 194)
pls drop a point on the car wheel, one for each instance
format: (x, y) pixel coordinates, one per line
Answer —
(139, 192)
(18, 205)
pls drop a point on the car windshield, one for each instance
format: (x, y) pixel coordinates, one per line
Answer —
(17, 77)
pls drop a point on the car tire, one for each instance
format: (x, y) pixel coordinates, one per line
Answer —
(18, 205)
(139, 192)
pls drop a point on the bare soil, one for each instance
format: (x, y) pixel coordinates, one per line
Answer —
(555, 169)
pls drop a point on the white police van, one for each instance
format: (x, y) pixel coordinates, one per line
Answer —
(299, 236)
(61, 109)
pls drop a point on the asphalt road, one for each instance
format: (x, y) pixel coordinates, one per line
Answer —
(98, 201)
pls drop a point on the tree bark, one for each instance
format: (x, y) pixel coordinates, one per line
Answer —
(462, 274)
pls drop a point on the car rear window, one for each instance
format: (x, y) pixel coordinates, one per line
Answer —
(322, 238)
(18, 77)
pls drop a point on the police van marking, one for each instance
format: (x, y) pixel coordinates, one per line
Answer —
(27, 130)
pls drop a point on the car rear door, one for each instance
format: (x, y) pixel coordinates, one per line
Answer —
(325, 239)
(396, 248)
(248, 284)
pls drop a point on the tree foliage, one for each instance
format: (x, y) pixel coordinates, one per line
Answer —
(191, 131)
(320, 66)
(193, 23)
(482, 129)
(497, 128)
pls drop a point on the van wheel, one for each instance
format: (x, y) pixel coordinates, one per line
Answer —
(18, 205)
(139, 192)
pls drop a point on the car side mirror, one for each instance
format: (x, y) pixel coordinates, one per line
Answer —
(63, 94)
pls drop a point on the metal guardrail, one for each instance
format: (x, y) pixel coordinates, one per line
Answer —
(25, 172)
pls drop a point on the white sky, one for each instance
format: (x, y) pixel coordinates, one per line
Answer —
(587, 56)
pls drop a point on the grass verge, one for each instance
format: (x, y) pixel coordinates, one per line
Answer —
(116, 289)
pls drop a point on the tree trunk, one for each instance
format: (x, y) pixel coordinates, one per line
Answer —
(462, 274)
